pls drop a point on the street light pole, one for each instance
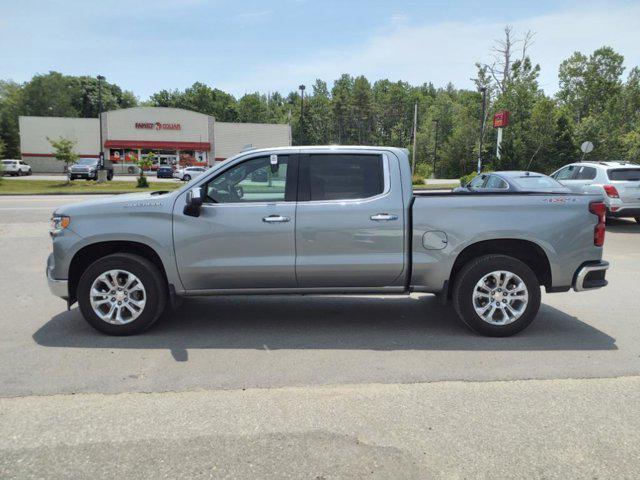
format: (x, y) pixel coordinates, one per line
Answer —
(302, 135)
(100, 173)
(435, 147)
(483, 90)
(415, 135)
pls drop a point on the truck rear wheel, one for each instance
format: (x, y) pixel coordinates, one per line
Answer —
(496, 295)
(121, 294)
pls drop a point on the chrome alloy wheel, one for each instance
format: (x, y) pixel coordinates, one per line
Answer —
(117, 297)
(500, 297)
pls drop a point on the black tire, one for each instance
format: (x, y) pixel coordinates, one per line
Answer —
(472, 273)
(29, 172)
(150, 276)
(638, 219)
(71, 178)
(110, 175)
(186, 178)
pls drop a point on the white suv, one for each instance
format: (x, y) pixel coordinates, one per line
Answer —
(618, 182)
(188, 173)
(15, 168)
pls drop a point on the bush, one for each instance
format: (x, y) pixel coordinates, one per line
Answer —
(418, 179)
(423, 170)
(142, 182)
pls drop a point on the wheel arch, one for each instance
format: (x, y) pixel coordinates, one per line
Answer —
(94, 251)
(526, 251)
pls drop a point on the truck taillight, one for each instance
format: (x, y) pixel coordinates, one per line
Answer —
(600, 210)
(611, 191)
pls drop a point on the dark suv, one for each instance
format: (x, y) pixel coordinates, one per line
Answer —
(87, 168)
(165, 171)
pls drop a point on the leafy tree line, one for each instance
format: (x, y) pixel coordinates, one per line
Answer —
(53, 95)
(595, 101)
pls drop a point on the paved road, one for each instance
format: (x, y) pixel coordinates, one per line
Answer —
(122, 178)
(331, 386)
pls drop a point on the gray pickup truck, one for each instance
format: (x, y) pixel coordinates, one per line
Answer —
(324, 220)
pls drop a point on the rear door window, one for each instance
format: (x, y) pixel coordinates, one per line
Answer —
(585, 173)
(624, 174)
(341, 176)
(496, 182)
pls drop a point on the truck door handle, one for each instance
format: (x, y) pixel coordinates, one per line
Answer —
(275, 219)
(381, 217)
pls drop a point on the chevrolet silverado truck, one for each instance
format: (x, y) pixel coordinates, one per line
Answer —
(324, 220)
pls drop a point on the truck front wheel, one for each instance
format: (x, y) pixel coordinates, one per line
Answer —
(121, 294)
(496, 295)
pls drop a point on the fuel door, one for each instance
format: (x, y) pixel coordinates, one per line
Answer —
(434, 240)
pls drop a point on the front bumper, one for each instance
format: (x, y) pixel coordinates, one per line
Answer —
(590, 276)
(60, 288)
(83, 174)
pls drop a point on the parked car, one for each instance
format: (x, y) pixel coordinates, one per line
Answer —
(617, 182)
(87, 168)
(344, 220)
(512, 181)
(165, 171)
(188, 173)
(15, 168)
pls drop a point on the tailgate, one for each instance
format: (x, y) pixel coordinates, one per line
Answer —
(627, 183)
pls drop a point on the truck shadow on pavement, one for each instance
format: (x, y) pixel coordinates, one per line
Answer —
(316, 322)
(622, 225)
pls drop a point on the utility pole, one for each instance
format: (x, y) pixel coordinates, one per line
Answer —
(302, 135)
(435, 148)
(415, 129)
(101, 174)
(483, 90)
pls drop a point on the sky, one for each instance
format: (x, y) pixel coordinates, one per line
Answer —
(267, 46)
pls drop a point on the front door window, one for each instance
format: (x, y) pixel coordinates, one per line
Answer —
(255, 180)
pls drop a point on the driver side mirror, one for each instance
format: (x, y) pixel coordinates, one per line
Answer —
(194, 201)
(273, 161)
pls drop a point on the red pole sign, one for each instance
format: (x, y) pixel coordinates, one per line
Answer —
(501, 119)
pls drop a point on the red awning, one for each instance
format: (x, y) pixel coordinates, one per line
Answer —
(202, 146)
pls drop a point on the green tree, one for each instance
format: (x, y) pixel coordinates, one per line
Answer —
(319, 115)
(144, 163)
(342, 102)
(64, 152)
(563, 149)
(10, 99)
(631, 142)
(588, 84)
(199, 98)
(252, 108)
(362, 111)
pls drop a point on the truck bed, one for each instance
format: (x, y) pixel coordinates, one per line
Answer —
(445, 223)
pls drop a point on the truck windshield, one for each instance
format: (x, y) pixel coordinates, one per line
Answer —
(87, 161)
(628, 174)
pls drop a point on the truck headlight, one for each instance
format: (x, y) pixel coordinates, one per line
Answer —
(59, 223)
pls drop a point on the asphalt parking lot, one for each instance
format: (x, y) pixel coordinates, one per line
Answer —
(327, 386)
